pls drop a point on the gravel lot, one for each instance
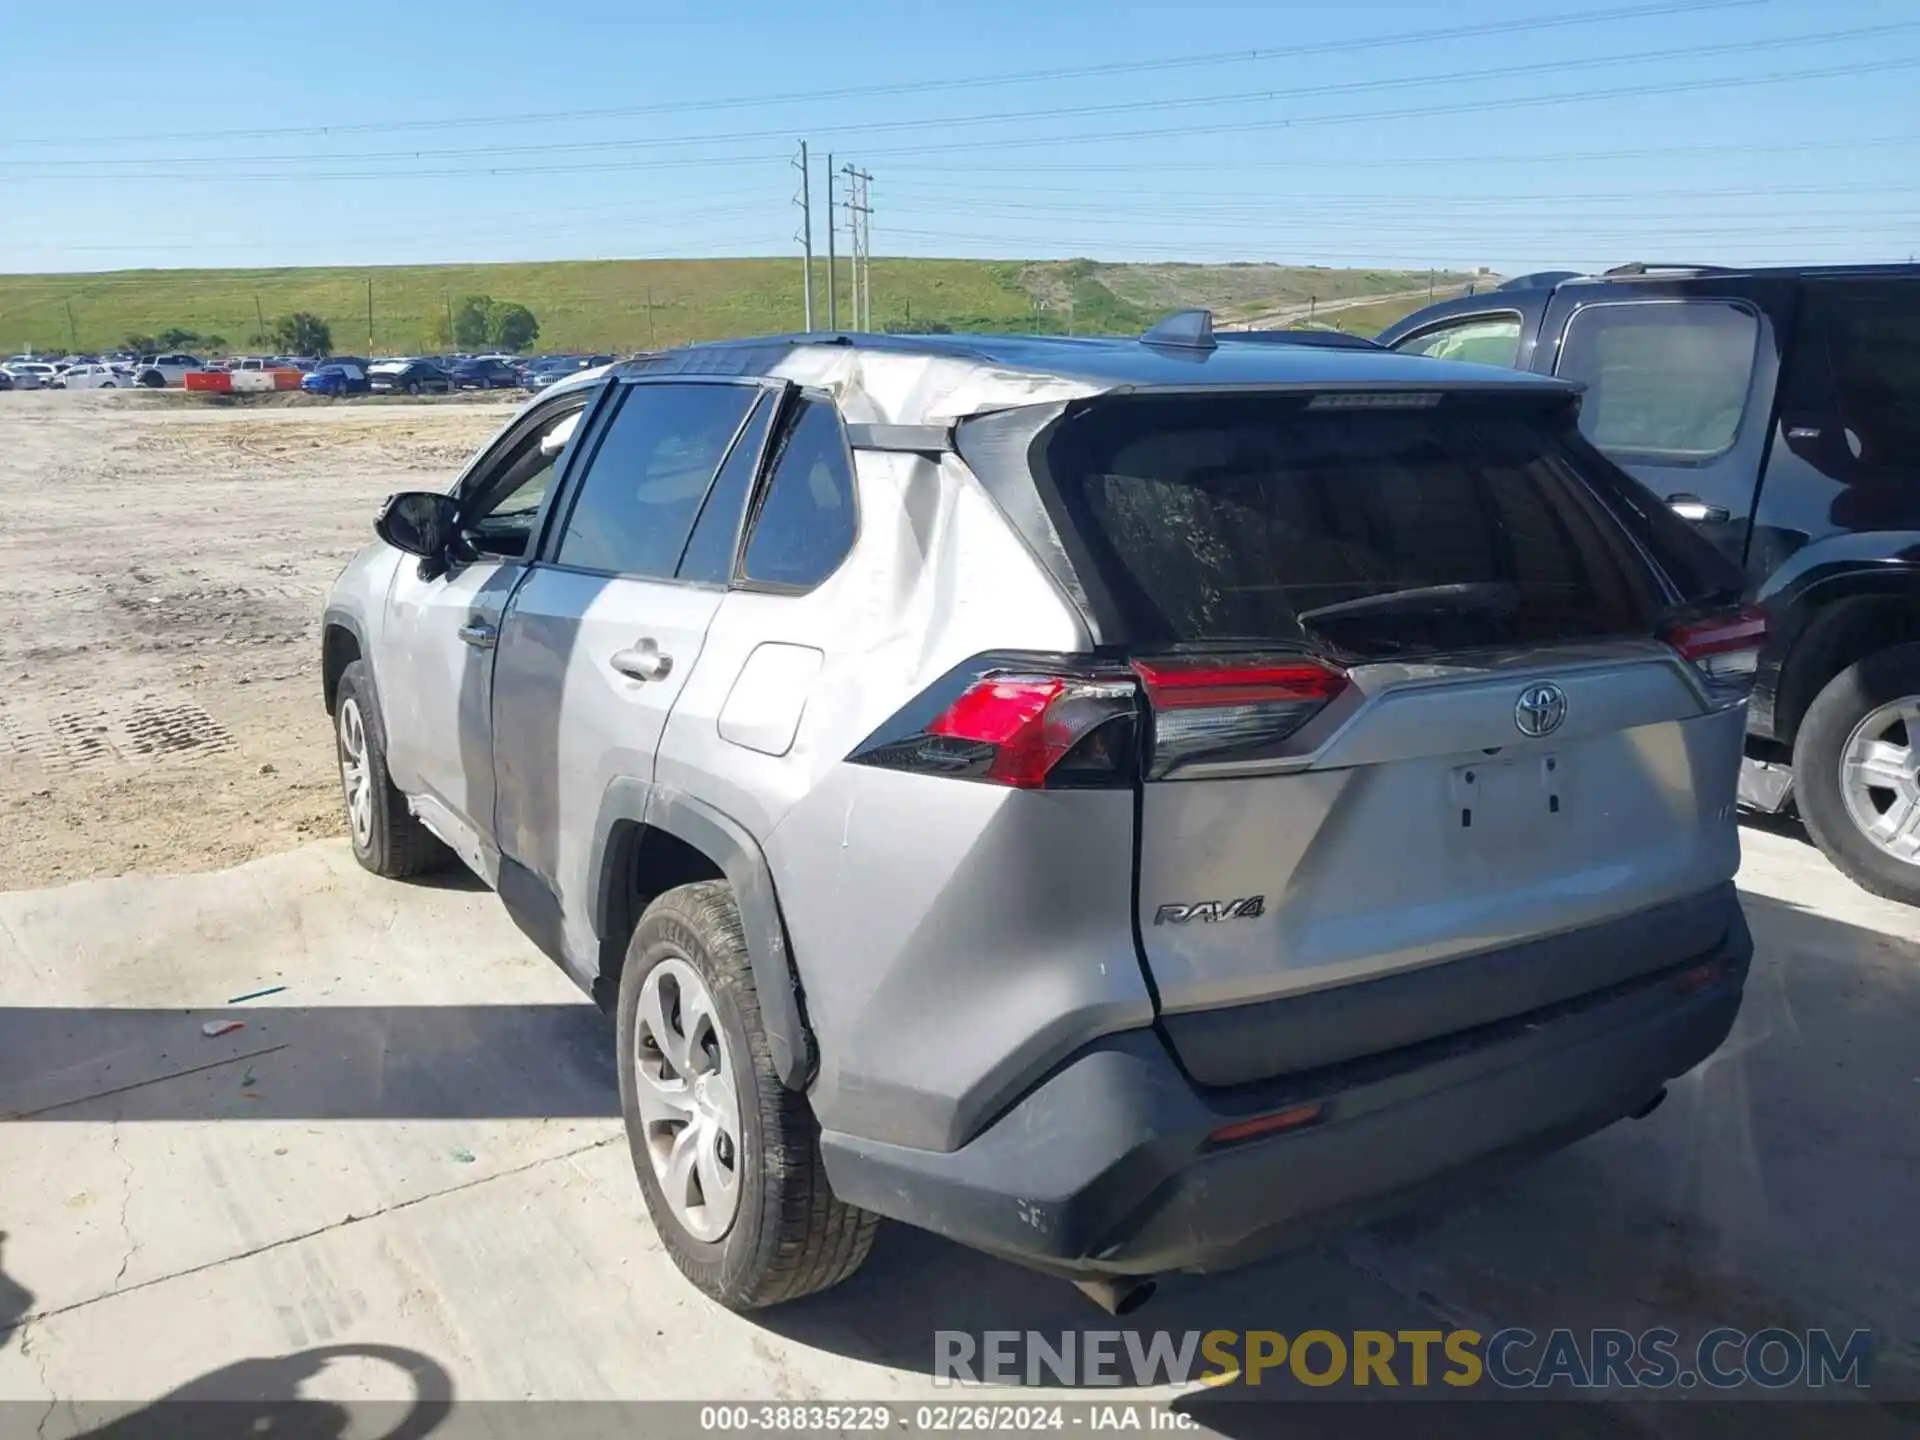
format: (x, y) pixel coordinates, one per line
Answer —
(162, 566)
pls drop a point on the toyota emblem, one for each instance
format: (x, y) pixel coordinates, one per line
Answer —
(1540, 710)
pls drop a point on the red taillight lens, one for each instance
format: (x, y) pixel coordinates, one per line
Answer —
(1298, 1117)
(1724, 650)
(1218, 710)
(1027, 730)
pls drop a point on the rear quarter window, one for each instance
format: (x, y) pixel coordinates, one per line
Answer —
(1666, 380)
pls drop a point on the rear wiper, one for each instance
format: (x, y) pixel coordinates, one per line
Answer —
(1470, 595)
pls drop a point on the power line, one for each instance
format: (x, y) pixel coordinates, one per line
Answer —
(1058, 112)
(1218, 57)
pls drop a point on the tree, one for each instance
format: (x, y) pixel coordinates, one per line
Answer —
(175, 338)
(473, 322)
(216, 343)
(142, 344)
(303, 333)
(514, 327)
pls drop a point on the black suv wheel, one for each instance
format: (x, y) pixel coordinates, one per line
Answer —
(1856, 772)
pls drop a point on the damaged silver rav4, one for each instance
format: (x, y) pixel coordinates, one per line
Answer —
(1124, 805)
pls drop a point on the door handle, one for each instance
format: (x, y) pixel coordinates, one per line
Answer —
(479, 634)
(1692, 507)
(643, 662)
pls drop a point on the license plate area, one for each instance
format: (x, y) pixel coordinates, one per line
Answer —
(1499, 802)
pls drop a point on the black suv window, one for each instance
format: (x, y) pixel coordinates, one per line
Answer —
(1375, 532)
(1856, 359)
(1666, 380)
(1483, 339)
(651, 467)
(805, 524)
(709, 557)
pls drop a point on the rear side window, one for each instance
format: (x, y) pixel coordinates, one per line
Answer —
(1665, 380)
(648, 476)
(709, 557)
(805, 524)
(1482, 339)
(1856, 359)
(1371, 532)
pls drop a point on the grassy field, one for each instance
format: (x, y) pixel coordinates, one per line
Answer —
(625, 305)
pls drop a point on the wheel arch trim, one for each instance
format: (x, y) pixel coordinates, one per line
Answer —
(731, 847)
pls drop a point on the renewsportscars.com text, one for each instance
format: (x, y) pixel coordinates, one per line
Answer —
(1512, 1359)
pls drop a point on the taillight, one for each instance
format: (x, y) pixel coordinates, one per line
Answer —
(1020, 725)
(1217, 710)
(1724, 650)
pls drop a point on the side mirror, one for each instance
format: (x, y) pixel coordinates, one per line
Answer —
(419, 522)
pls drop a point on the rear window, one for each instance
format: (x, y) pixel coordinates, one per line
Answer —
(1370, 532)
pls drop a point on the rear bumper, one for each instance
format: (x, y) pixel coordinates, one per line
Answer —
(1105, 1167)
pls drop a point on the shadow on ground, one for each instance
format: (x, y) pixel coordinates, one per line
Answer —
(261, 1397)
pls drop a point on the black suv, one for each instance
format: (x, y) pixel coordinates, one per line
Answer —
(1779, 411)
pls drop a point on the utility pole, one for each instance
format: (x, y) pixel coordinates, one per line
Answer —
(444, 295)
(369, 317)
(650, 344)
(805, 203)
(260, 320)
(833, 302)
(857, 227)
(73, 332)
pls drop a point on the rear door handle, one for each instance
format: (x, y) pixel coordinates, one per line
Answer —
(643, 662)
(479, 634)
(1692, 507)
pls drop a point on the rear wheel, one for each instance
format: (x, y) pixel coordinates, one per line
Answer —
(728, 1157)
(413, 387)
(1856, 772)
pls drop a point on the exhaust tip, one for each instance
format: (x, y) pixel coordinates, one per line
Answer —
(1659, 1099)
(1118, 1294)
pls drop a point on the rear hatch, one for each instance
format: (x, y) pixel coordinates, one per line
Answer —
(1419, 696)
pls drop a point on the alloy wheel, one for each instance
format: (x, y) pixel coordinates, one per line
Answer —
(688, 1106)
(1880, 778)
(356, 774)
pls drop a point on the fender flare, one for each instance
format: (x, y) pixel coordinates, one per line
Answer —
(338, 616)
(732, 847)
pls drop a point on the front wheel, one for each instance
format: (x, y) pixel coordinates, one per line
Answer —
(413, 387)
(728, 1157)
(387, 836)
(1856, 772)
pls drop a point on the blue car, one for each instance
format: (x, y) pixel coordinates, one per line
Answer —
(336, 377)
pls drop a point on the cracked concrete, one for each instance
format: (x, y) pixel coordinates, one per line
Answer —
(416, 1145)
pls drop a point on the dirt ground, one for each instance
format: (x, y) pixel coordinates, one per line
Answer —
(162, 569)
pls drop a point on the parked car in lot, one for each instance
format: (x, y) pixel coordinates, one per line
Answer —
(483, 374)
(1327, 782)
(6, 379)
(336, 377)
(158, 371)
(413, 377)
(1778, 411)
(31, 374)
(545, 370)
(95, 377)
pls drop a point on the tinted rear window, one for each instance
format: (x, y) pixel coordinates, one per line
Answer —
(1372, 532)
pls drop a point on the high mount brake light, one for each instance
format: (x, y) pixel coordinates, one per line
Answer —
(1215, 710)
(1724, 651)
(1026, 728)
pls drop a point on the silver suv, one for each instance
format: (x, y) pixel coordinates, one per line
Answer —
(1124, 805)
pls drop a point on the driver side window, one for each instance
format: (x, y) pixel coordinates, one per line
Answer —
(506, 503)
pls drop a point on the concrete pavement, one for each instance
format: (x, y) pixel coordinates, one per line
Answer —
(416, 1145)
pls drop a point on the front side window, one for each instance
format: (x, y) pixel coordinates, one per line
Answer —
(1666, 381)
(649, 473)
(805, 524)
(506, 503)
(1481, 339)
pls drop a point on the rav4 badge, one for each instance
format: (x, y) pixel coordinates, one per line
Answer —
(1251, 908)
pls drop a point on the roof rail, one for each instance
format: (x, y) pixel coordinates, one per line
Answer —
(1183, 330)
(1540, 279)
(1652, 267)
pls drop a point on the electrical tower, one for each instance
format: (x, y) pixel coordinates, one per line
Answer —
(805, 201)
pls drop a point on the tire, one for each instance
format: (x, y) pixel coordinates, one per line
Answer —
(413, 388)
(1854, 709)
(785, 1234)
(153, 380)
(387, 838)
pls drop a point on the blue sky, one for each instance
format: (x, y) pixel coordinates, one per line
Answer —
(1731, 130)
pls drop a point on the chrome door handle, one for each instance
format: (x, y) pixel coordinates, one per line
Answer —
(643, 662)
(1692, 507)
(479, 634)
